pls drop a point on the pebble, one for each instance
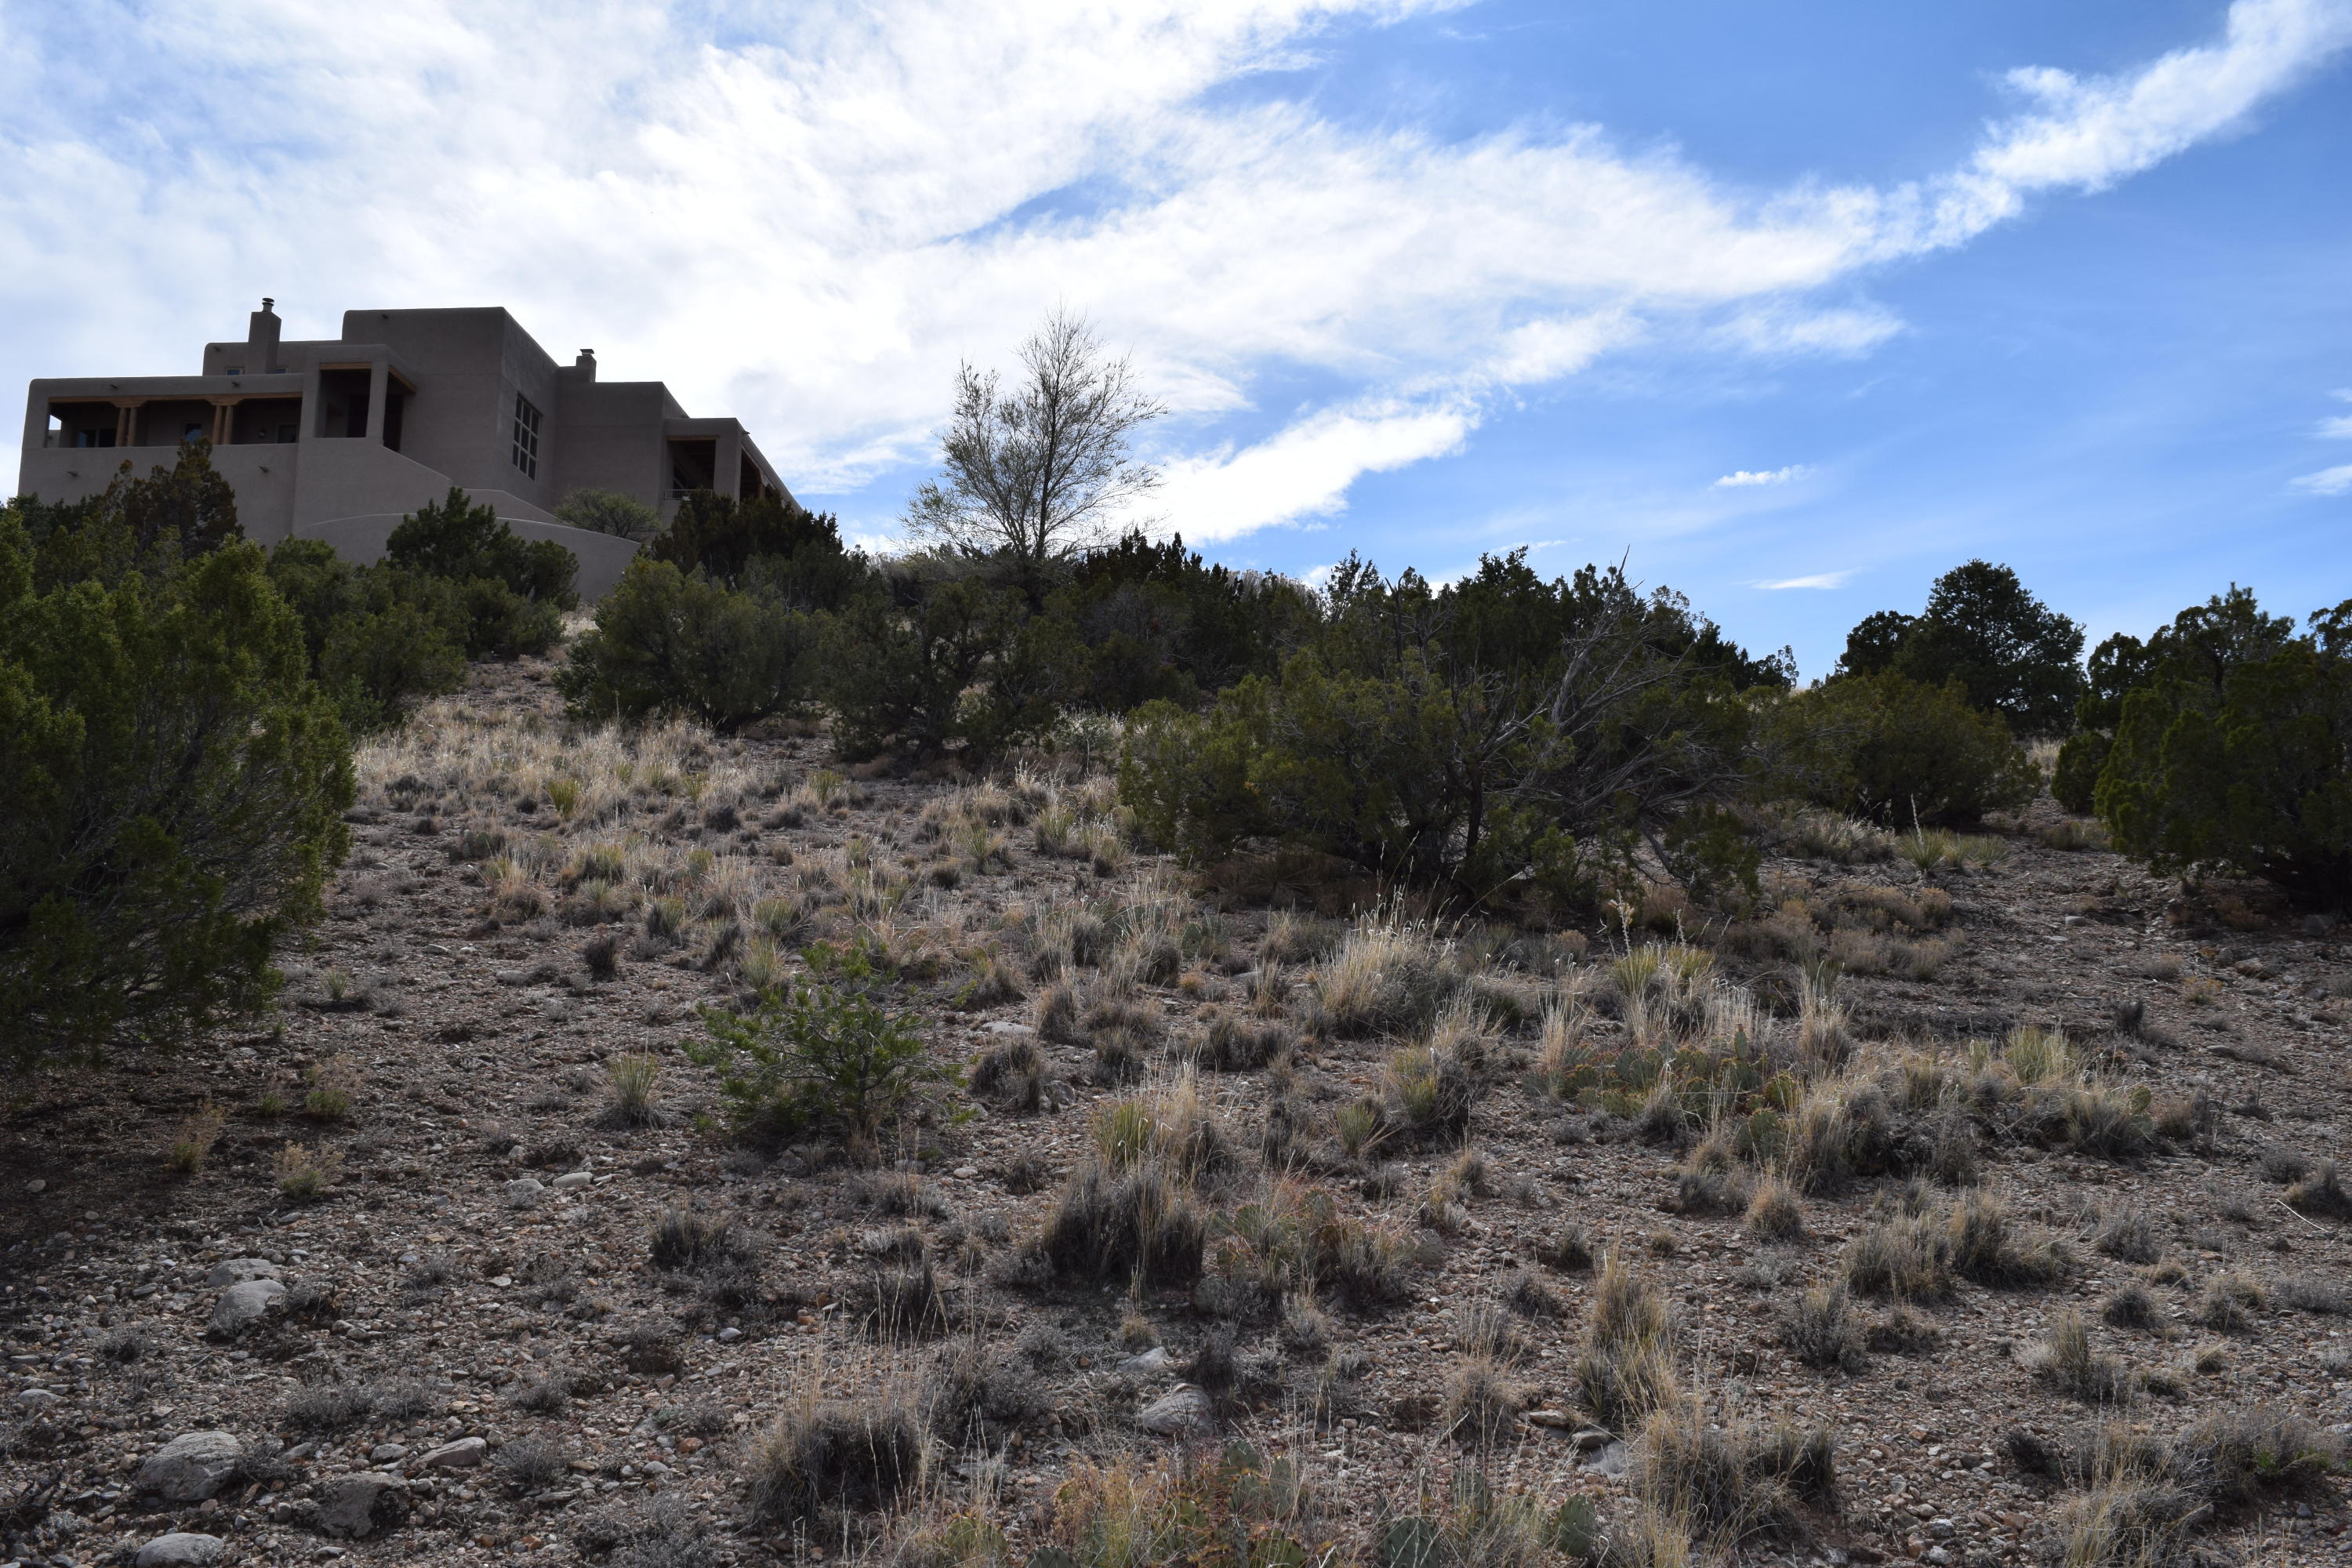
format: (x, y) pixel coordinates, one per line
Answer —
(181, 1548)
(385, 1453)
(38, 1399)
(242, 1306)
(571, 1180)
(1155, 1360)
(523, 1192)
(36, 1186)
(728, 1336)
(192, 1466)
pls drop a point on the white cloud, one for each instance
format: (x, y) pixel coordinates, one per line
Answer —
(2339, 428)
(2334, 481)
(2091, 133)
(1818, 580)
(1748, 478)
(1304, 470)
(808, 216)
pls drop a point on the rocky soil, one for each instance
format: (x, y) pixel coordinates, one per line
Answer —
(460, 1347)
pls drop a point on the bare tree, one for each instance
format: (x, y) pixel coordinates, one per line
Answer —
(1041, 470)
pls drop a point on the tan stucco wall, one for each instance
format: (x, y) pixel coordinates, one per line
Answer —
(602, 557)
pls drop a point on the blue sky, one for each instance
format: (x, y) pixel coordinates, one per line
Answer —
(1833, 296)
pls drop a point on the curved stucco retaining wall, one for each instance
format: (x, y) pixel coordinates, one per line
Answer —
(602, 557)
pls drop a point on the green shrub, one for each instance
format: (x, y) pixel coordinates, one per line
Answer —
(372, 664)
(769, 543)
(2233, 760)
(2074, 782)
(454, 539)
(666, 642)
(1468, 737)
(2009, 653)
(826, 1056)
(609, 512)
(963, 667)
(1888, 748)
(174, 786)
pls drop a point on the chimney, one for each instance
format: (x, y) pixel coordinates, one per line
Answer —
(586, 364)
(261, 341)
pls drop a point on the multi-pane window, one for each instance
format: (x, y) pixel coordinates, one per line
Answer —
(526, 437)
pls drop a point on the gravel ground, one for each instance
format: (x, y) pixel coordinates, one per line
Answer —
(486, 1244)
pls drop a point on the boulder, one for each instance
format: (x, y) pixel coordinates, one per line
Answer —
(242, 1306)
(351, 1507)
(523, 1192)
(237, 1270)
(181, 1548)
(462, 1455)
(192, 1466)
(1181, 1409)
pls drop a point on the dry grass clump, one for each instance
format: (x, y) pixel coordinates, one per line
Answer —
(1775, 1213)
(1482, 1400)
(2128, 1235)
(2321, 1191)
(1984, 1248)
(1230, 1044)
(1388, 975)
(1915, 1256)
(1014, 1073)
(2229, 1301)
(683, 1239)
(304, 1171)
(2067, 1361)
(1734, 1481)
(1112, 1225)
(1823, 1331)
(633, 1080)
(191, 1144)
(853, 1455)
(1903, 1257)
(1624, 1369)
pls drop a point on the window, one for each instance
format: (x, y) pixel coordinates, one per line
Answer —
(526, 437)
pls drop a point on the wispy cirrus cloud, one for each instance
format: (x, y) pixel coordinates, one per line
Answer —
(809, 216)
(1818, 580)
(1753, 478)
(2332, 481)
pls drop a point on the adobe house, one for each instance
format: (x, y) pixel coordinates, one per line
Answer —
(338, 439)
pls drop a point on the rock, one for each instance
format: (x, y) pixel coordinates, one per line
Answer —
(351, 1507)
(192, 1466)
(36, 1186)
(1153, 1361)
(728, 1336)
(1613, 1459)
(572, 1180)
(242, 1306)
(1006, 1028)
(462, 1455)
(1181, 1410)
(385, 1453)
(37, 1399)
(1588, 1438)
(181, 1548)
(523, 1192)
(1558, 1420)
(237, 1270)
